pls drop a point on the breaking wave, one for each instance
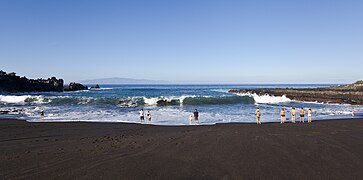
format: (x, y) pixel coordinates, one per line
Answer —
(22, 99)
(129, 101)
(218, 100)
(266, 99)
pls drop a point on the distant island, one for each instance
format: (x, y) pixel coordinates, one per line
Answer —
(117, 80)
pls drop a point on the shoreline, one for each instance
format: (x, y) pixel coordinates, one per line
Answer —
(182, 125)
(329, 149)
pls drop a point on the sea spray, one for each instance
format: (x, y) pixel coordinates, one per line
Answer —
(266, 99)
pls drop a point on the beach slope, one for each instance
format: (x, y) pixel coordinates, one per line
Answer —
(321, 150)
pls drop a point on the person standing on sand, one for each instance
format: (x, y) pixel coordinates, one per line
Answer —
(196, 115)
(302, 114)
(293, 115)
(283, 115)
(148, 116)
(142, 114)
(258, 116)
(309, 115)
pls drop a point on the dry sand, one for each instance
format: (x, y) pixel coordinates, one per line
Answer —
(321, 150)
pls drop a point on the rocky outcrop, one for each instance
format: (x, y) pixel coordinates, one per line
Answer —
(164, 102)
(343, 94)
(10, 82)
(96, 87)
(75, 87)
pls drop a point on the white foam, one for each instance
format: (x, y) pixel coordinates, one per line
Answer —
(13, 99)
(21, 99)
(99, 89)
(334, 111)
(220, 90)
(266, 99)
(151, 101)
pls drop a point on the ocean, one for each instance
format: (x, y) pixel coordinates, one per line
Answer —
(121, 103)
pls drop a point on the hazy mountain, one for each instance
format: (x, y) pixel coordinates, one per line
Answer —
(116, 80)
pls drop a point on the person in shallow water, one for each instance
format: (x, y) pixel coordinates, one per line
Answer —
(283, 115)
(302, 114)
(192, 121)
(141, 114)
(258, 116)
(191, 117)
(309, 115)
(196, 115)
(148, 116)
(293, 115)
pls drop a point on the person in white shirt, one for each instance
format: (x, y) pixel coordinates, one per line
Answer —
(310, 115)
(191, 117)
(142, 114)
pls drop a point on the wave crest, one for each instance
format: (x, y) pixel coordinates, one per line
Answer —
(266, 99)
(129, 101)
(12, 99)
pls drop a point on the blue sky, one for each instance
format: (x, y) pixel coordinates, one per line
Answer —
(280, 41)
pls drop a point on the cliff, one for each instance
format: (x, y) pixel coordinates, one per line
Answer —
(10, 82)
(343, 94)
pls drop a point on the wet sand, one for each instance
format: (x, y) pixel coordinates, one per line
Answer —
(321, 150)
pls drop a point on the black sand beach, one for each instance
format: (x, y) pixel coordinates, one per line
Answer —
(322, 150)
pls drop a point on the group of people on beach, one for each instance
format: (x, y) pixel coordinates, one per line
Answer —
(142, 117)
(194, 116)
(283, 115)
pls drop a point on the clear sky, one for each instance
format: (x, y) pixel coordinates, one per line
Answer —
(185, 41)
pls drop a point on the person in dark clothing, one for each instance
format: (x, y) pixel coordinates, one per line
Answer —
(196, 114)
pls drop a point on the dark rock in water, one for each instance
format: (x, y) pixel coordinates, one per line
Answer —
(96, 87)
(4, 112)
(10, 82)
(168, 103)
(75, 87)
(344, 94)
(12, 110)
